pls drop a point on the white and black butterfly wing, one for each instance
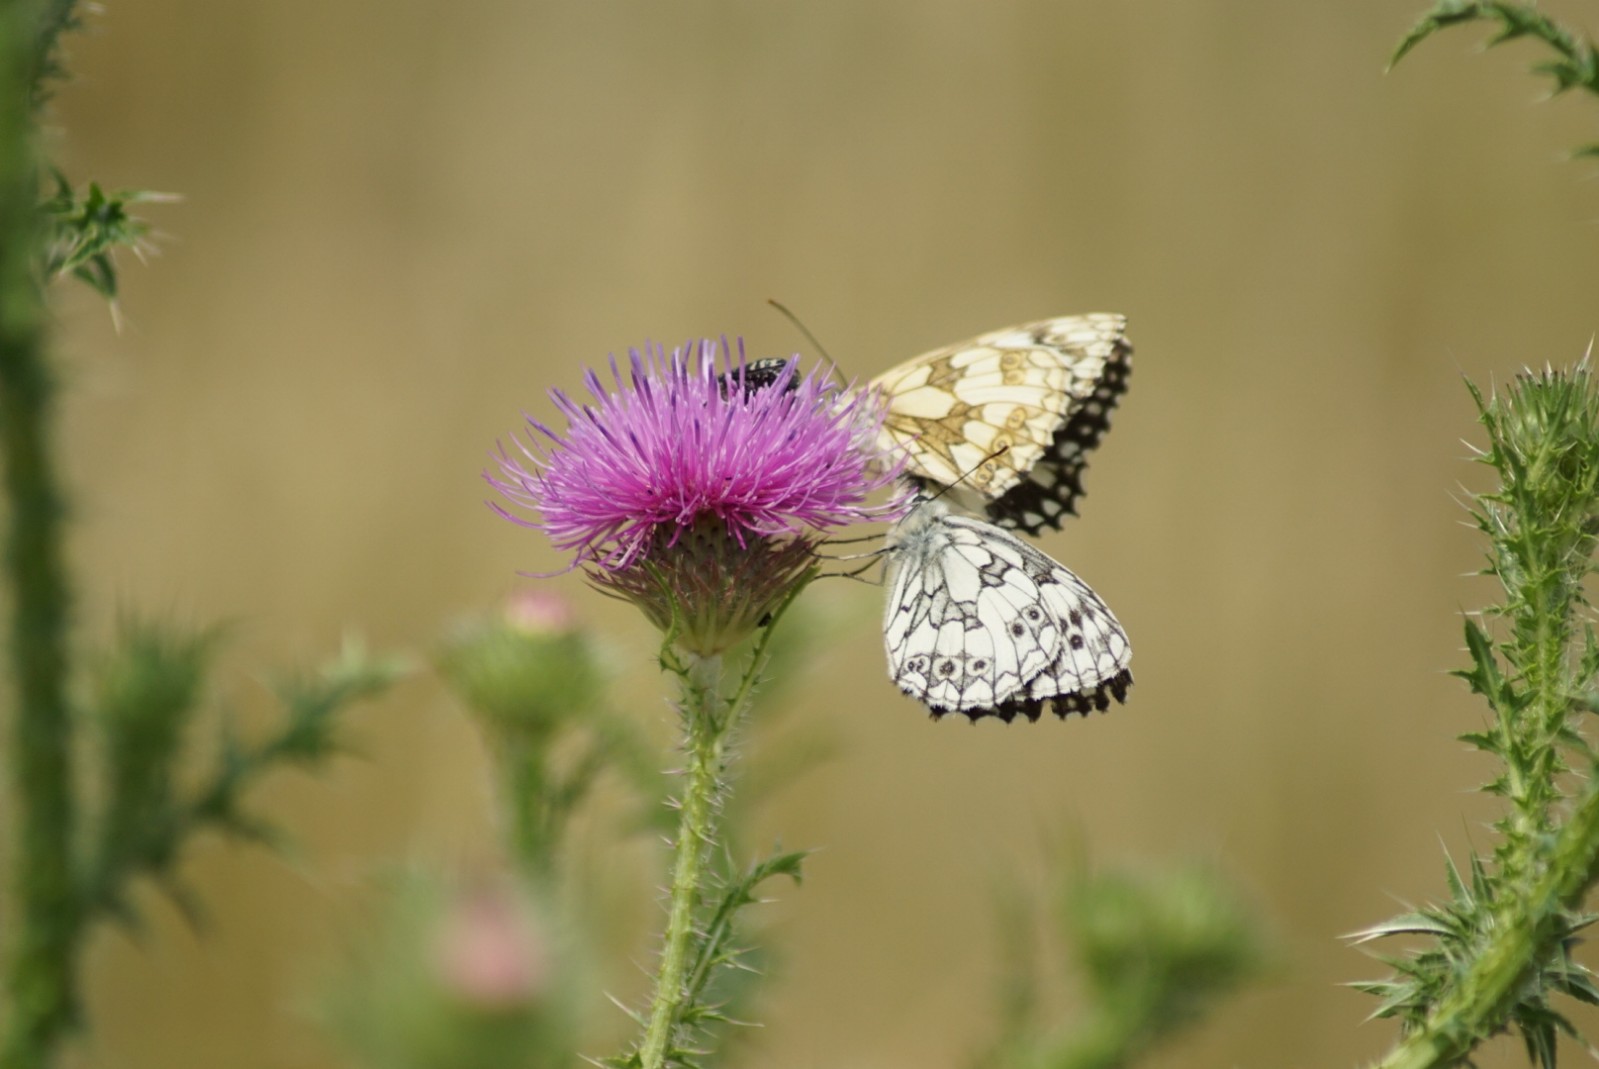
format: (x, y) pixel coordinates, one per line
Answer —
(1010, 414)
(1049, 491)
(981, 623)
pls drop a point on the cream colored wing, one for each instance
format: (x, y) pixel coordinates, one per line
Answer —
(1037, 395)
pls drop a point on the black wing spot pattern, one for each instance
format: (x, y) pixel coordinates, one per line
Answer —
(1050, 492)
(1062, 705)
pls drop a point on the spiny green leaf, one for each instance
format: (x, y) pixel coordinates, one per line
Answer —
(1539, 1039)
(86, 230)
(1457, 886)
(1484, 676)
(716, 955)
(1404, 924)
(1580, 986)
(1481, 883)
(1575, 65)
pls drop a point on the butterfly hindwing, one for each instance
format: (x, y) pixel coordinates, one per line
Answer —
(981, 623)
(1010, 414)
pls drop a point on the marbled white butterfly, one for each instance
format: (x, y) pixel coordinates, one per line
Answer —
(978, 621)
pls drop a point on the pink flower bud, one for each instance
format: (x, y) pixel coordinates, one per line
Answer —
(491, 952)
(539, 612)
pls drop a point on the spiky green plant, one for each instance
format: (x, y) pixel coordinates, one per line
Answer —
(1574, 66)
(1496, 956)
(75, 859)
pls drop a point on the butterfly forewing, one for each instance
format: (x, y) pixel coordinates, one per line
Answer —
(981, 623)
(1011, 414)
(952, 410)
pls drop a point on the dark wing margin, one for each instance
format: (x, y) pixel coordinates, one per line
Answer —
(1062, 705)
(1049, 492)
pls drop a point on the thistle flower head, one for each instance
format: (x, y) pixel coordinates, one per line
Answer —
(696, 496)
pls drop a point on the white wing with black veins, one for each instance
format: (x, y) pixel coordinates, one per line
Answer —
(981, 623)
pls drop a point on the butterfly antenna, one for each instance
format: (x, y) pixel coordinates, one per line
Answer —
(804, 330)
(869, 555)
(856, 573)
(852, 541)
(963, 476)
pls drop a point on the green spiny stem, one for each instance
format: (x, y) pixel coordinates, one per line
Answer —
(527, 799)
(52, 19)
(1530, 924)
(706, 725)
(1535, 728)
(1540, 554)
(43, 953)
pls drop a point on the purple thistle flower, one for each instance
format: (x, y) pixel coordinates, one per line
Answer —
(679, 469)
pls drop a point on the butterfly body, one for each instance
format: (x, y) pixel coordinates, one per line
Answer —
(982, 623)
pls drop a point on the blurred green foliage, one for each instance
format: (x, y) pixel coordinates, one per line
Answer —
(74, 864)
(1153, 951)
(535, 684)
(477, 972)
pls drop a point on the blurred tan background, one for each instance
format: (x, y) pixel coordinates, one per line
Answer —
(405, 220)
